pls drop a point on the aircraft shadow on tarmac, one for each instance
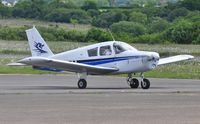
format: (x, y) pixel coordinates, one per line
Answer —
(74, 88)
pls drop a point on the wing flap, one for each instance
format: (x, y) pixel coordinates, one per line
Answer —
(174, 59)
(66, 65)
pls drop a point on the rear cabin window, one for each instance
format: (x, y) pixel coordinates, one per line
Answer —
(92, 52)
(105, 50)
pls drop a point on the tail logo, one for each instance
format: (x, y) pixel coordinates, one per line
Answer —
(39, 48)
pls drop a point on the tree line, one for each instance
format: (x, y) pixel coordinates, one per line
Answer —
(174, 23)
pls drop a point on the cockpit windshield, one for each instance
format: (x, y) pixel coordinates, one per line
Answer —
(121, 47)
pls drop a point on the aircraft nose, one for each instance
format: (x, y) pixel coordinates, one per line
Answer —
(154, 60)
(156, 56)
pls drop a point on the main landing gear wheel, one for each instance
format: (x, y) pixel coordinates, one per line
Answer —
(134, 83)
(82, 84)
(145, 84)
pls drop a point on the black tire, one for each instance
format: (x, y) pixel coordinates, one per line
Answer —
(82, 84)
(145, 84)
(134, 83)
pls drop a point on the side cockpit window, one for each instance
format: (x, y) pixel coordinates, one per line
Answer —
(118, 48)
(105, 51)
(92, 52)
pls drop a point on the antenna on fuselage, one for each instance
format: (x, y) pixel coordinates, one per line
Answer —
(111, 34)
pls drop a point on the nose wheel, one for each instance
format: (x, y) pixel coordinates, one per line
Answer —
(145, 84)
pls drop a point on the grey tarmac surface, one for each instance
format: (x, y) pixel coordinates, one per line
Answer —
(55, 99)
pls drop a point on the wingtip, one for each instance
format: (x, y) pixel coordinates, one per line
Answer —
(190, 57)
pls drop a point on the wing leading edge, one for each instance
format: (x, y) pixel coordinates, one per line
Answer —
(66, 65)
(174, 59)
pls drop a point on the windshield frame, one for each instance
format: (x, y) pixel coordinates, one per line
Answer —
(120, 47)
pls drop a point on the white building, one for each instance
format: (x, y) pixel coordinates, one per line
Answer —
(9, 3)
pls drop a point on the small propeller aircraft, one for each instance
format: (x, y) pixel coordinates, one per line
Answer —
(111, 57)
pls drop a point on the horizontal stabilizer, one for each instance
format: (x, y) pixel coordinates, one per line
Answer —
(174, 59)
(16, 64)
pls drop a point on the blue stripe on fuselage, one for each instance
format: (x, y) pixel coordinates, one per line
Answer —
(107, 60)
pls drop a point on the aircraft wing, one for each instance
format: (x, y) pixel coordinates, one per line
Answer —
(66, 65)
(174, 59)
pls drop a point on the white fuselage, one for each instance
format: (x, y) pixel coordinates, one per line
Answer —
(128, 60)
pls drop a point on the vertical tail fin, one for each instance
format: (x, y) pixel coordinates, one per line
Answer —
(37, 44)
